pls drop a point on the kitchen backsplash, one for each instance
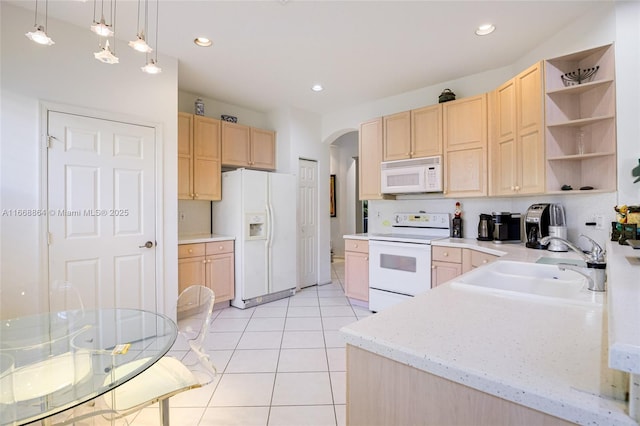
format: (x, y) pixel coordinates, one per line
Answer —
(579, 208)
(194, 217)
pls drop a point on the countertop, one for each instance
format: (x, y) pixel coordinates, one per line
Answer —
(624, 302)
(364, 236)
(545, 355)
(203, 238)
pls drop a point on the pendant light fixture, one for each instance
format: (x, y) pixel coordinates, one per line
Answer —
(152, 63)
(140, 44)
(100, 27)
(105, 54)
(39, 34)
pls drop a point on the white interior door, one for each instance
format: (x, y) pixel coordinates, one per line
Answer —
(101, 202)
(308, 220)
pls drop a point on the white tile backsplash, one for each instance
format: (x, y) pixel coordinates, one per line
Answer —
(579, 208)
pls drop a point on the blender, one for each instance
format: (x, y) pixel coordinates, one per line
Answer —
(557, 228)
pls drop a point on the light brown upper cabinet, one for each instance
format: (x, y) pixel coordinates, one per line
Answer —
(516, 148)
(581, 122)
(199, 169)
(413, 134)
(426, 131)
(465, 146)
(244, 146)
(396, 130)
(370, 157)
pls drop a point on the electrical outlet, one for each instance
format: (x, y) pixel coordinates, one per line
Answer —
(181, 216)
(599, 220)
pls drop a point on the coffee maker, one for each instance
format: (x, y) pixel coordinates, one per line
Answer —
(506, 227)
(536, 225)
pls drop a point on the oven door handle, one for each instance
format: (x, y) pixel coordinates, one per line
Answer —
(404, 245)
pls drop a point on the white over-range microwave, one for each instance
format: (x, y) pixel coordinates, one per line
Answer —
(411, 176)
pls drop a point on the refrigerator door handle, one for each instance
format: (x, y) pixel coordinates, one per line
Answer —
(268, 244)
(269, 224)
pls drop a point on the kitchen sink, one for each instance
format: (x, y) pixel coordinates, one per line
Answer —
(529, 279)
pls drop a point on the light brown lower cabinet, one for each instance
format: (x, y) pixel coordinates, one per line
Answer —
(446, 264)
(381, 391)
(356, 269)
(449, 262)
(209, 264)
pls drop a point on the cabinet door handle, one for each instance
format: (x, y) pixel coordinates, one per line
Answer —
(355, 246)
(445, 254)
(517, 188)
(190, 251)
(208, 260)
(196, 195)
(366, 258)
(204, 261)
(484, 260)
(220, 248)
(433, 266)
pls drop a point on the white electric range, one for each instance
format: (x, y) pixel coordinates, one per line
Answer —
(400, 262)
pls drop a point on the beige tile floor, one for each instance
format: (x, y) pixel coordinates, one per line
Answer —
(281, 363)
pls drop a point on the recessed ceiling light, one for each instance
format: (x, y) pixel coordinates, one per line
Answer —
(203, 41)
(485, 29)
(317, 88)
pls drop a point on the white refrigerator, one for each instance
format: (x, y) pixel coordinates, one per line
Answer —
(259, 210)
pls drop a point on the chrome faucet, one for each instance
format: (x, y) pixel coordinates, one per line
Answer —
(595, 259)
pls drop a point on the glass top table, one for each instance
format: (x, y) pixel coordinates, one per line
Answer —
(52, 362)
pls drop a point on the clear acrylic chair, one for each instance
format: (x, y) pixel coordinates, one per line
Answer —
(170, 376)
(58, 365)
(63, 296)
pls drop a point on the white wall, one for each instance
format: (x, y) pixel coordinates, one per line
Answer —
(628, 98)
(303, 130)
(342, 164)
(214, 108)
(613, 22)
(66, 73)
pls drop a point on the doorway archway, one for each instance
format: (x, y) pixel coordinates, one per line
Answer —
(343, 163)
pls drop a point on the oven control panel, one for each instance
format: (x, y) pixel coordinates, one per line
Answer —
(421, 220)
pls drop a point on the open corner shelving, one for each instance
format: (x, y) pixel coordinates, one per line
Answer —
(581, 122)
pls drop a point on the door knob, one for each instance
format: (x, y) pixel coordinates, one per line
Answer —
(148, 244)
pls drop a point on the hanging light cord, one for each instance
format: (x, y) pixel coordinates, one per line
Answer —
(46, 13)
(35, 19)
(113, 21)
(157, 19)
(146, 16)
(138, 20)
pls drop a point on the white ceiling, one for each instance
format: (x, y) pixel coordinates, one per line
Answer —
(267, 54)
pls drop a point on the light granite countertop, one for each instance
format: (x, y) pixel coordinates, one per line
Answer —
(548, 355)
(203, 238)
(624, 301)
(364, 236)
